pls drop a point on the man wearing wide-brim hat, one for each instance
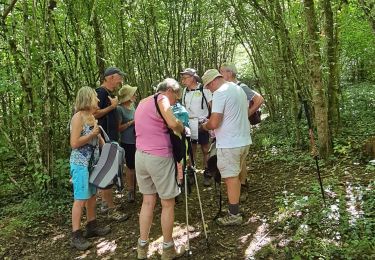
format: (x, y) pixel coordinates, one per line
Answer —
(232, 130)
(126, 109)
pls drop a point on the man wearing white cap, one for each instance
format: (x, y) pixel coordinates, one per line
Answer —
(232, 130)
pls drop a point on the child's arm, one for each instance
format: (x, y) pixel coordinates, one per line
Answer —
(76, 140)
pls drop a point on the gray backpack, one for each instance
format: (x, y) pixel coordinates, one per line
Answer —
(109, 168)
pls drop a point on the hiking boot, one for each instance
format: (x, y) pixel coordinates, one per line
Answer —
(142, 251)
(230, 220)
(172, 252)
(79, 242)
(131, 196)
(92, 230)
(114, 214)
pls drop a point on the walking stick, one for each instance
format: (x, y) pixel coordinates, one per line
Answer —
(200, 206)
(187, 210)
(314, 151)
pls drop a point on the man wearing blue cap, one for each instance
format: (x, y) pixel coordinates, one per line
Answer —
(107, 118)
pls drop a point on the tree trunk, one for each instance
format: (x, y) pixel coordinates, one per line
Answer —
(319, 99)
(332, 59)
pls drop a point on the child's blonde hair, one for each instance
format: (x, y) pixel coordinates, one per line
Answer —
(86, 99)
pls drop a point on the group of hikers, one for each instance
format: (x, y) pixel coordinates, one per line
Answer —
(215, 105)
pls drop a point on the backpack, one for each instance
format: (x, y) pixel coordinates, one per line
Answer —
(254, 118)
(204, 99)
(109, 168)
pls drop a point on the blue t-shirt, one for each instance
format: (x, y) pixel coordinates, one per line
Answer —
(109, 122)
(181, 113)
(125, 115)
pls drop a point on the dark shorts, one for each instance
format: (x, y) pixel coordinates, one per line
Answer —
(129, 155)
(203, 138)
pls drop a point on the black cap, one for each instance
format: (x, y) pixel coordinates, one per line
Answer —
(113, 70)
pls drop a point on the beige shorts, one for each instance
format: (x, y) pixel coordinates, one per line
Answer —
(156, 174)
(230, 160)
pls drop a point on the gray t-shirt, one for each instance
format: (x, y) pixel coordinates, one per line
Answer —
(248, 91)
(125, 115)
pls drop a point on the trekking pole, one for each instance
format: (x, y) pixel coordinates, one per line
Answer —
(314, 151)
(187, 213)
(200, 206)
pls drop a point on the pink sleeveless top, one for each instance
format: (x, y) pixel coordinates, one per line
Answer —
(151, 132)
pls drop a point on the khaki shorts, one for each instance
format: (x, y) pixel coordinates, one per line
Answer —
(230, 160)
(156, 174)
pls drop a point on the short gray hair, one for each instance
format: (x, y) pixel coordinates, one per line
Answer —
(229, 67)
(168, 83)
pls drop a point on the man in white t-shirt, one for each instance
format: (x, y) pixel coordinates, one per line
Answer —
(197, 102)
(232, 130)
(229, 72)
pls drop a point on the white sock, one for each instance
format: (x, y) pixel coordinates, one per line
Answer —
(142, 242)
(168, 244)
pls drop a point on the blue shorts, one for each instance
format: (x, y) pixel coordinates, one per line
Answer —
(82, 189)
(203, 138)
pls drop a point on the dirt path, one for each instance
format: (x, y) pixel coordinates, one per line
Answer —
(50, 238)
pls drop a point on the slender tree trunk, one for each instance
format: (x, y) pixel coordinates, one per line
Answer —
(332, 59)
(319, 99)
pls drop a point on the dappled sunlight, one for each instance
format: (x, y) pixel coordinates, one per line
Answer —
(354, 202)
(260, 239)
(179, 237)
(84, 255)
(105, 246)
(58, 237)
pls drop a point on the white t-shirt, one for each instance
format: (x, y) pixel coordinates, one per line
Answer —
(234, 131)
(192, 101)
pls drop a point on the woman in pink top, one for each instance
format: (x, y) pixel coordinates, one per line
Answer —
(155, 166)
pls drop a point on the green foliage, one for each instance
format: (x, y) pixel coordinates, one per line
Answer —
(357, 117)
(317, 231)
(357, 42)
(16, 218)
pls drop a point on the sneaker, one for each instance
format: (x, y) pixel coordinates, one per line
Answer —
(79, 242)
(230, 220)
(172, 252)
(142, 251)
(131, 196)
(92, 230)
(114, 214)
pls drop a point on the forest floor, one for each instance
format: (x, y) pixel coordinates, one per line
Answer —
(269, 182)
